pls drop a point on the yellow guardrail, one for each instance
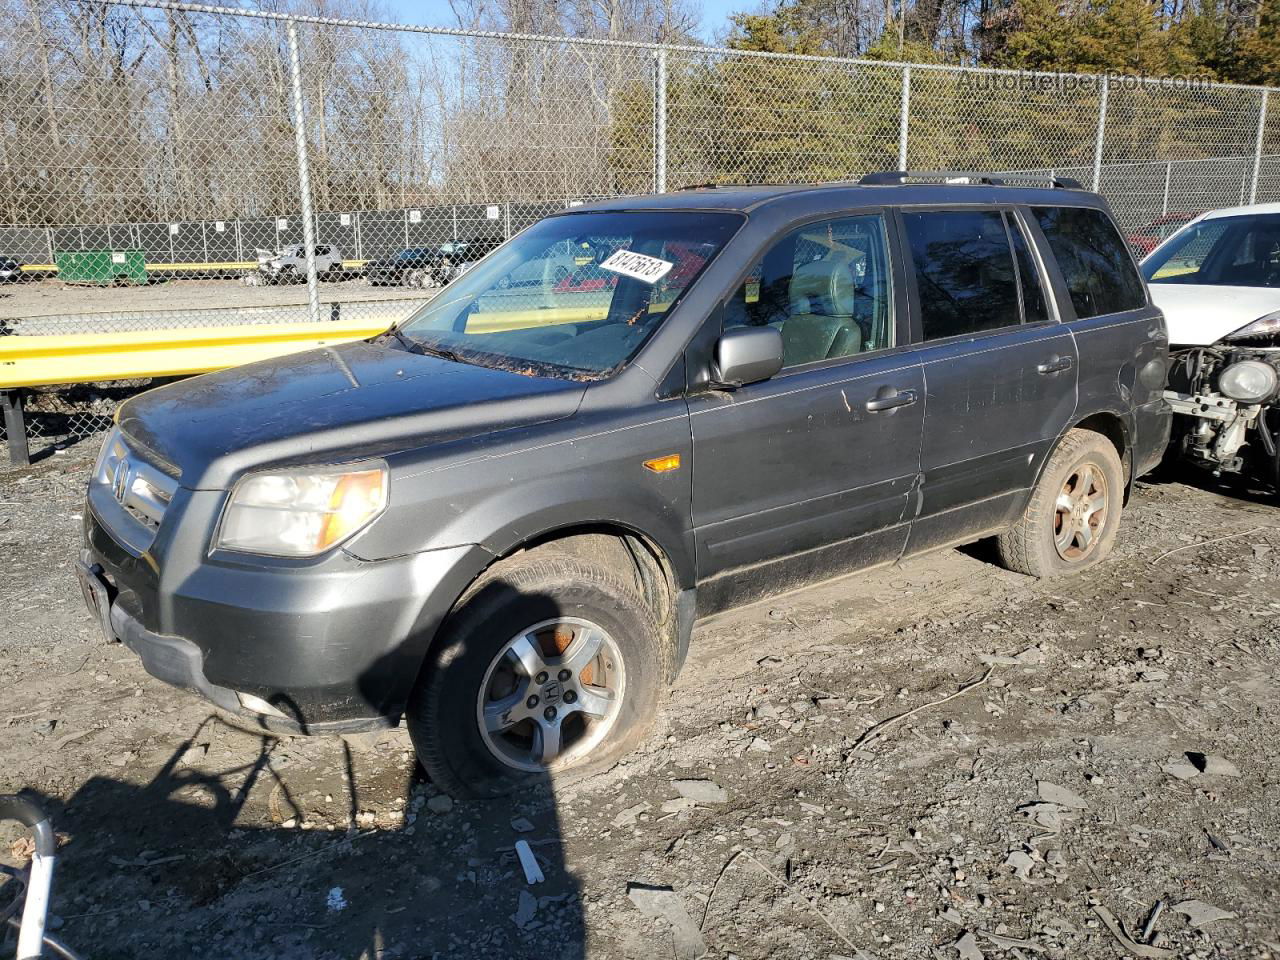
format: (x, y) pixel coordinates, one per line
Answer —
(36, 361)
(192, 267)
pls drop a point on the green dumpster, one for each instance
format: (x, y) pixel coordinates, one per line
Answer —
(102, 267)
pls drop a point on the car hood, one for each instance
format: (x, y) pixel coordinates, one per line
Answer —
(1198, 315)
(336, 404)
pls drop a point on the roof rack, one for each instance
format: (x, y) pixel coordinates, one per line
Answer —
(887, 177)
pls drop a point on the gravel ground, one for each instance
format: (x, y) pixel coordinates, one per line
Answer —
(1068, 755)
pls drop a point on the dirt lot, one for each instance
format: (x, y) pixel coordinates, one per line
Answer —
(1014, 820)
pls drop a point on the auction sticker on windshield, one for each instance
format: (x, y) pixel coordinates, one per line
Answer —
(637, 266)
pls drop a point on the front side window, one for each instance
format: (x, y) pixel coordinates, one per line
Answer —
(574, 295)
(825, 287)
(1224, 251)
(965, 272)
(1094, 260)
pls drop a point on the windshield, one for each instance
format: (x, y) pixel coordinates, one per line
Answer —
(411, 254)
(573, 295)
(1225, 251)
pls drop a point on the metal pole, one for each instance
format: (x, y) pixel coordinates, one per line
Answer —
(1102, 132)
(1257, 147)
(304, 175)
(15, 427)
(660, 124)
(903, 114)
(1168, 175)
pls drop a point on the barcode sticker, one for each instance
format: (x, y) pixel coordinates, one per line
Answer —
(637, 266)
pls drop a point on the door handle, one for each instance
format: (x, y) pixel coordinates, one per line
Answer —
(1056, 365)
(900, 399)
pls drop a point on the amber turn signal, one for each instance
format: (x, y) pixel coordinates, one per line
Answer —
(663, 464)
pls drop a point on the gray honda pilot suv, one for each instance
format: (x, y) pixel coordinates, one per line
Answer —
(501, 519)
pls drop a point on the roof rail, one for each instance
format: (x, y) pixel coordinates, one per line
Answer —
(887, 177)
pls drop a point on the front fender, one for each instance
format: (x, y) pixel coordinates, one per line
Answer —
(576, 473)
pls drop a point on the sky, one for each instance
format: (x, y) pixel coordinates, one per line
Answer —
(435, 13)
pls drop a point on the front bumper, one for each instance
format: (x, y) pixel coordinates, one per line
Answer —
(333, 645)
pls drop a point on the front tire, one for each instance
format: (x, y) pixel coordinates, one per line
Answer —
(1073, 516)
(549, 667)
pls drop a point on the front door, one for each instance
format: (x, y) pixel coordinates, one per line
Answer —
(999, 369)
(808, 474)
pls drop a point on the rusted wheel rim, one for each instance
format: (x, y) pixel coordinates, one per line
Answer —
(551, 695)
(1080, 512)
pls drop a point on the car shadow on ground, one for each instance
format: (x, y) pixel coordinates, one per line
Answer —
(235, 843)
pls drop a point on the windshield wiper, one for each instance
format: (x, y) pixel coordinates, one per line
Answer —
(412, 346)
(435, 351)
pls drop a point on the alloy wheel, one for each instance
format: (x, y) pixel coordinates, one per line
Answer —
(1080, 512)
(551, 695)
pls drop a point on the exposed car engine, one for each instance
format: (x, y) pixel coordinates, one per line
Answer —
(1228, 395)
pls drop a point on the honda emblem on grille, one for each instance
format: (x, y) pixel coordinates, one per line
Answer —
(120, 479)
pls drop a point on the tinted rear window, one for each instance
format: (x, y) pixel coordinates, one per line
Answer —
(1094, 260)
(964, 271)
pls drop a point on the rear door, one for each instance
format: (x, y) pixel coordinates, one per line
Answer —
(999, 368)
(808, 474)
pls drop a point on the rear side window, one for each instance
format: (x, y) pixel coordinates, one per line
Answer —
(1094, 260)
(964, 271)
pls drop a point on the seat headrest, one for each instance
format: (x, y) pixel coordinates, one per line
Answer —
(824, 287)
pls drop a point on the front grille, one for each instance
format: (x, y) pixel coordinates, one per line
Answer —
(131, 494)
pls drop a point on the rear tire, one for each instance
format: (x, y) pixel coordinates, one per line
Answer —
(560, 604)
(1073, 516)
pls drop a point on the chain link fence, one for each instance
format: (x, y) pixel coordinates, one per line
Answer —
(170, 165)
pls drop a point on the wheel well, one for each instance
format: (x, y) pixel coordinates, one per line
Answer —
(1111, 427)
(637, 558)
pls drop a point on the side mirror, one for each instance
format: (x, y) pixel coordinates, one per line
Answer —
(747, 355)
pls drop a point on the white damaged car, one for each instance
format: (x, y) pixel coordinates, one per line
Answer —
(1218, 282)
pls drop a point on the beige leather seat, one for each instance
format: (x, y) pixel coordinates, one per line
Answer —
(821, 324)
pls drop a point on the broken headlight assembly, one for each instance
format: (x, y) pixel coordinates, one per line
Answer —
(1264, 328)
(1248, 381)
(302, 513)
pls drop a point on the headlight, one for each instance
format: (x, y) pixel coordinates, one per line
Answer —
(302, 513)
(1268, 326)
(1249, 381)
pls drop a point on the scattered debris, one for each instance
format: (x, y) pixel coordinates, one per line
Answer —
(1149, 927)
(678, 805)
(440, 803)
(532, 872)
(1028, 657)
(1212, 766)
(526, 909)
(335, 902)
(663, 903)
(1052, 793)
(705, 792)
(876, 729)
(1137, 949)
(1199, 913)
(1181, 769)
(760, 745)
(628, 816)
(521, 825)
(967, 947)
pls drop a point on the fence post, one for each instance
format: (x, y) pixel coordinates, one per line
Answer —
(1102, 132)
(304, 175)
(1257, 147)
(1168, 175)
(660, 123)
(904, 111)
